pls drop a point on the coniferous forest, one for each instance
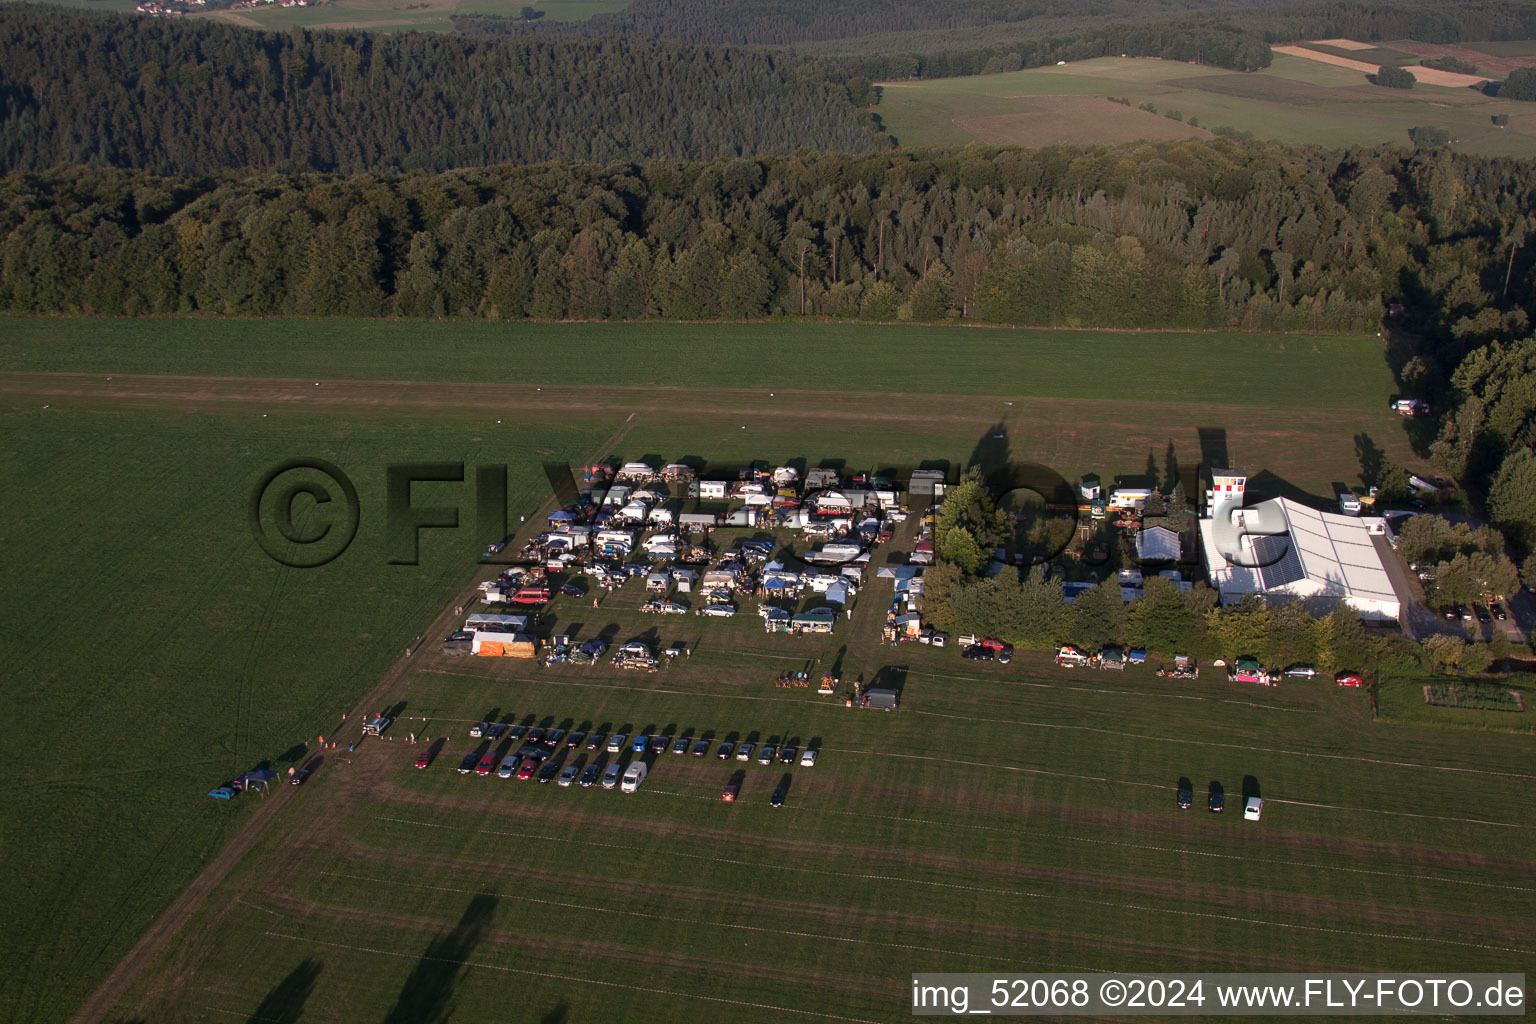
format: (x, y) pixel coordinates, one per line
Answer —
(176, 98)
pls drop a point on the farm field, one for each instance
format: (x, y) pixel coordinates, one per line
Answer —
(132, 447)
(403, 15)
(1295, 100)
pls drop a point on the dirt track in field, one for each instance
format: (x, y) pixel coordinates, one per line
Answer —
(1057, 431)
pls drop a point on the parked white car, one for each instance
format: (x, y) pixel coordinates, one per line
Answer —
(1253, 808)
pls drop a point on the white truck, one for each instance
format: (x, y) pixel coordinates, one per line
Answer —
(633, 776)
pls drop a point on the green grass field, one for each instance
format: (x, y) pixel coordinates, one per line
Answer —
(400, 15)
(1402, 700)
(1066, 364)
(1294, 101)
(1018, 818)
(161, 653)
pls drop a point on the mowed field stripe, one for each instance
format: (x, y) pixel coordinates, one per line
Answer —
(649, 990)
(693, 921)
(1154, 785)
(1023, 723)
(991, 890)
(1037, 834)
(1182, 851)
(1232, 746)
(1121, 693)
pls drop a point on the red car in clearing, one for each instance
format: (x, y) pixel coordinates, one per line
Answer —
(423, 759)
(1347, 679)
(487, 765)
(527, 768)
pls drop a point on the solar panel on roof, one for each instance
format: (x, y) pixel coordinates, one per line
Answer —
(1278, 561)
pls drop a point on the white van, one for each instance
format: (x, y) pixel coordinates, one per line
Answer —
(633, 776)
(1253, 808)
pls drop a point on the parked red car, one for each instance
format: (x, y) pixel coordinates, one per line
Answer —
(1347, 679)
(423, 759)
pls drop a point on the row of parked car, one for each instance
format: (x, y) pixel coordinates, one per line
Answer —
(1215, 800)
(1484, 615)
(532, 759)
(660, 743)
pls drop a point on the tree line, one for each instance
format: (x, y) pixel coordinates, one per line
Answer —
(1027, 607)
(176, 97)
(1187, 234)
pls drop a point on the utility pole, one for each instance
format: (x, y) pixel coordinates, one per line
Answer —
(1513, 245)
(834, 260)
(880, 262)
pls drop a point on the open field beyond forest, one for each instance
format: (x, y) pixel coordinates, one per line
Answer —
(1295, 100)
(387, 15)
(1004, 810)
(404, 15)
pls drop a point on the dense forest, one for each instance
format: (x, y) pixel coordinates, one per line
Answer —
(888, 39)
(1186, 234)
(172, 97)
(938, 41)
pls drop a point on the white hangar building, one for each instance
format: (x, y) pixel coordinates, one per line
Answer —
(1283, 550)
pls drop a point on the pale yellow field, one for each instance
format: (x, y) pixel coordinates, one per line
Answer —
(1429, 76)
